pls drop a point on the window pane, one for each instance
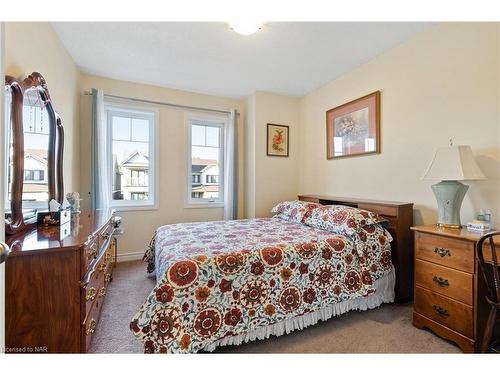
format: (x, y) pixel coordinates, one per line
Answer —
(130, 180)
(121, 128)
(205, 163)
(140, 130)
(198, 135)
(213, 136)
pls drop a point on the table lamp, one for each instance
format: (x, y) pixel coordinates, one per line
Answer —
(450, 165)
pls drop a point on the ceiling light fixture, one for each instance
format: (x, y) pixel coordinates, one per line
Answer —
(245, 27)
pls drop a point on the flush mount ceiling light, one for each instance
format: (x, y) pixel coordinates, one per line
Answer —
(246, 27)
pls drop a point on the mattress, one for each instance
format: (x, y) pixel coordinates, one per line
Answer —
(232, 281)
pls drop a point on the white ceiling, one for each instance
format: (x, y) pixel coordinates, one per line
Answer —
(290, 58)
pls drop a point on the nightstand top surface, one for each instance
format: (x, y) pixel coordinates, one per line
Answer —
(462, 233)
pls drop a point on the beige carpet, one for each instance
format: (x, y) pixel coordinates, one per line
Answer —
(387, 329)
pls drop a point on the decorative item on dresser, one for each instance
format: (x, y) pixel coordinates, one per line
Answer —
(55, 288)
(400, 217)
(451, 165)
(449, 292)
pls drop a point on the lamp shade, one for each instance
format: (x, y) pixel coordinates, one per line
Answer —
(454, 163)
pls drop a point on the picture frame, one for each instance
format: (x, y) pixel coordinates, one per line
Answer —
(278, 140)
(353, 128)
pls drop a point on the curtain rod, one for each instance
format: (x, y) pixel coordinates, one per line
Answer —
(165, 104)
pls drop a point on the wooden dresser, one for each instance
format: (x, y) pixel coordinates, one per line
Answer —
(400, 218)
(449, 291)
(55, 288)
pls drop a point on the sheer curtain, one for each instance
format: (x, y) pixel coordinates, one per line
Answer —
(231, 169)
(100, 173)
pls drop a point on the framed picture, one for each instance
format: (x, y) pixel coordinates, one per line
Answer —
(277, 140)
(354, 128)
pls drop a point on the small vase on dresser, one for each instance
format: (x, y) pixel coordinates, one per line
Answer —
(449, 296)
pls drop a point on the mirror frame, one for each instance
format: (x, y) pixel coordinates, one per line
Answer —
(34, 81)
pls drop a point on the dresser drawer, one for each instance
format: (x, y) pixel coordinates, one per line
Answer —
(94, 280)
(91, 290)
(450, 313)
(89, 324)
(90, 253)
(97, 288)
(452, 283)
(106, 232)
(445, 251)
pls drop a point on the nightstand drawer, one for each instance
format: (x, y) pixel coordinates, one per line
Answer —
(450, 313)
(445, 251)
(452, 283)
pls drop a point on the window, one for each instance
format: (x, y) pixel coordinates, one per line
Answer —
(212, 179)
(139, 196)
(138, 178)
(132, 156)
(205, 161)
(33, 175)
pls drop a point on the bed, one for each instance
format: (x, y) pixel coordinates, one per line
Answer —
(229, 282)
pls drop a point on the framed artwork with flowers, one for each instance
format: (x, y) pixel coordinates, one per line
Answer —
(277, 140)
(353, 128)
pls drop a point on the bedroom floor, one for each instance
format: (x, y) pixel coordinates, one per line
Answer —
(387, 329)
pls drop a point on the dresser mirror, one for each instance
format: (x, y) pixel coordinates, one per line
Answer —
(34, 153)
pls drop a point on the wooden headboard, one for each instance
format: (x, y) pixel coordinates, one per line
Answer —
(400, 217)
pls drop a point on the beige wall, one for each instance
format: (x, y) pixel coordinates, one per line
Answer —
(140, 225)
(270, 179)
(444, 83)
(35, 47)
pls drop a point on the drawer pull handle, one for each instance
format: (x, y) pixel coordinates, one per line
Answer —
(90, 327)
(90, 294)
(442, 252)
(440, 281)
(92, 251)
(102, 292)
(440, 310)
(102, 267)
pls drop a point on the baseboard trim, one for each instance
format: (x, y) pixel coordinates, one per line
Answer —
(130, 256)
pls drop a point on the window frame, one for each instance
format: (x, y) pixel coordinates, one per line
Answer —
(125, 109)
(202, 119)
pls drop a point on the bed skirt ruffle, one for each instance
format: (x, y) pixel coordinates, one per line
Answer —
(384, 294)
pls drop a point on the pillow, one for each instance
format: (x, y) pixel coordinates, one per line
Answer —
(294, 211)
(341, 219)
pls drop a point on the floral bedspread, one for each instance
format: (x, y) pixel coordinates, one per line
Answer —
(216, 279)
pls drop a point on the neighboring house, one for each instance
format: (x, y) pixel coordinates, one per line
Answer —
(131, 178)
(204, 178)
(36, 186)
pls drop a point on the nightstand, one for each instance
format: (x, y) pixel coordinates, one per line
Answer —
(449, 296)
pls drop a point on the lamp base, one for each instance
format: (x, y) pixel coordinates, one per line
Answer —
(449, 197)
(448, 226)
